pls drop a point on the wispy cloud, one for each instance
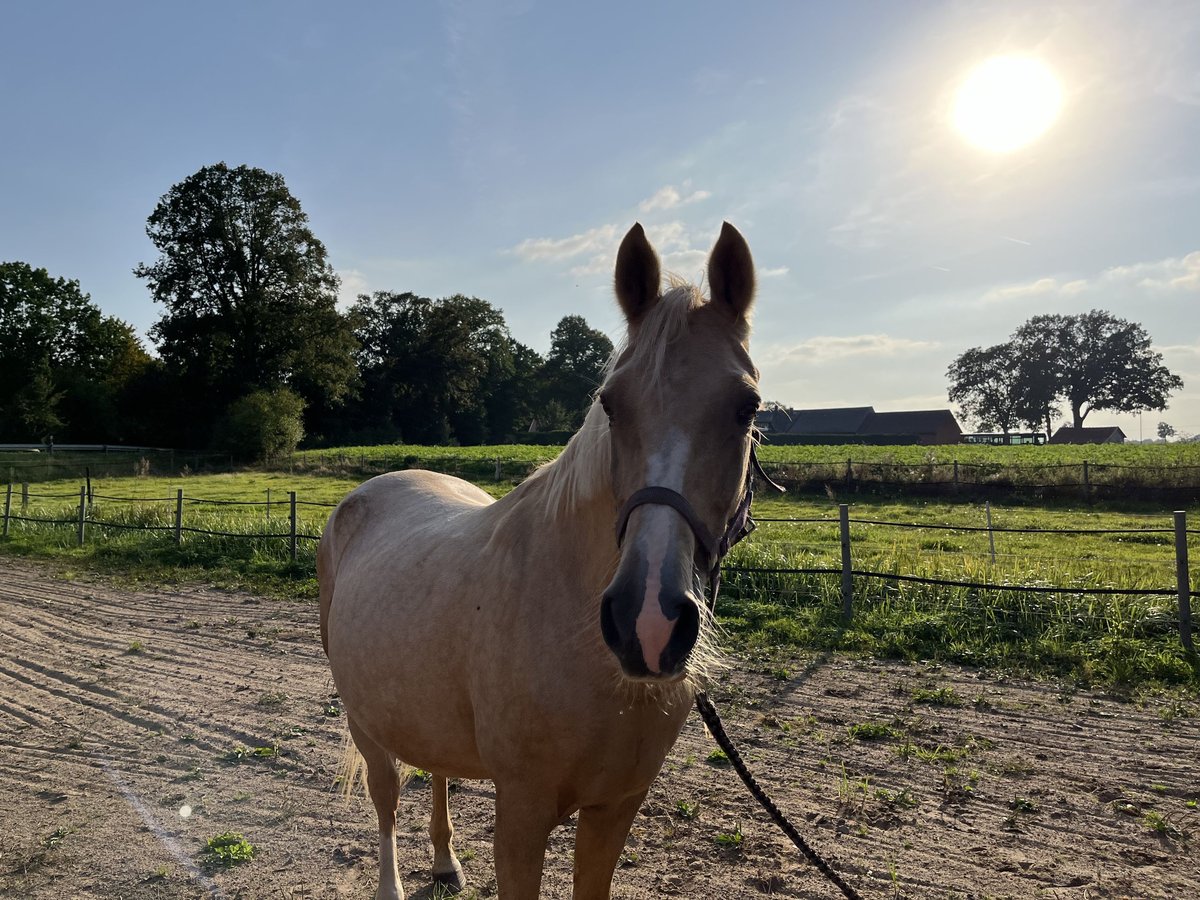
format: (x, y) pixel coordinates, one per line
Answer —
(575, 245)
(825, 349)
(670, 197)
(1170, 275)
(777, 272)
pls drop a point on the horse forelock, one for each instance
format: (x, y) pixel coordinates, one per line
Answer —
(584, 468)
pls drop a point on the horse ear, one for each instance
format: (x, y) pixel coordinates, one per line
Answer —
(731, 273)
(637, 275)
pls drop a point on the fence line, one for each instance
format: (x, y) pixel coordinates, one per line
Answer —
(1182, 590)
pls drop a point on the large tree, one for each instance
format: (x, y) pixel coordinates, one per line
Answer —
(1088, 361)
(575, 366)
(1102, 362)
(249, 294)
(434, 369)
(63, 363)
(984, 383)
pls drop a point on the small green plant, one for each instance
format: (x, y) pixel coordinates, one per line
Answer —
(229, 849)
(272, 699)
(421, 775)
(687, 809)
(135, 647)
(1190, 804)
(192, 625)
(717, 758)
(332, 711)
(903, 799)
(1160, 824)
(1158, 788)
(1023, 805)
(237, 754)
(873, 731)
(731, 840)
(945, 696)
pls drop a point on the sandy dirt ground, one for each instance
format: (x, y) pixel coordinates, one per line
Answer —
(127, 721)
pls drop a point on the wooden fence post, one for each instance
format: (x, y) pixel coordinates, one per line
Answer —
(1183, 580)
(179, 516)
(292, 535)
(7, 507)
(991, 536)
(1087, 483)
(847, 578)
(268, 504)
(82, 511)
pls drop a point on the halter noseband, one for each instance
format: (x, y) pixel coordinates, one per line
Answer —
(715, 551)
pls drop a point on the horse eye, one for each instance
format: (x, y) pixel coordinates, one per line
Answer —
(746, 414)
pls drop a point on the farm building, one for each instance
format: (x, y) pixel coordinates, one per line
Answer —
(1069, 435)
(852, 424)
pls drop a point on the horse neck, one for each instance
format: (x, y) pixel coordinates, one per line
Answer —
(567, 513)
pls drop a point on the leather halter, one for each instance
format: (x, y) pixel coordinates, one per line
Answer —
(715, 550)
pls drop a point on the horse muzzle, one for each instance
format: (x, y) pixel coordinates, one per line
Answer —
(652, 637)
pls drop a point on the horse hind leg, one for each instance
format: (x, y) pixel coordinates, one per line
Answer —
(447, 870)
(383, 784)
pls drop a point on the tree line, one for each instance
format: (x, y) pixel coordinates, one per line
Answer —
(252, 352)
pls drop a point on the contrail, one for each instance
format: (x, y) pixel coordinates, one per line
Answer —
(1015, 240)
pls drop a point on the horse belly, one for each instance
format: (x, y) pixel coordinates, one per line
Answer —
(400, 672)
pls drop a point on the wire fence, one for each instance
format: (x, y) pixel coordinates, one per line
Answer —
(86, 516)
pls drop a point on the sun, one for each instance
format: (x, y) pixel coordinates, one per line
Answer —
(1007, 103)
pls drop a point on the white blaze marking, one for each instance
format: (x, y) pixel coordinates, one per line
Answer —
(665, 468)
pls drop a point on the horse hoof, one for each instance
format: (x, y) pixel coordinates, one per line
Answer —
(453, 881)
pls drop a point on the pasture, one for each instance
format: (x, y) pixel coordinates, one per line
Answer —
(1092, 639)
(141, 725)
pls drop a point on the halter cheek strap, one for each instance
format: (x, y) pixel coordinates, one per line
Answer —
(715, 551)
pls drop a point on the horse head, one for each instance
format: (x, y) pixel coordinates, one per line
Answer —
(681, 400)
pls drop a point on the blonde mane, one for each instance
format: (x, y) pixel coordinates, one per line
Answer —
(584, 467)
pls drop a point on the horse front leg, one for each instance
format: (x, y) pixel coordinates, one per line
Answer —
(525, 816)
(599, 840)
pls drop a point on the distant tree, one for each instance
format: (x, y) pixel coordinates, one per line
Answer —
(435, 369)
(1106, 363)
(63, 363)
(1088, 361)
(249, 294)
(574, 367)
(263, 425)
(1165, 431)
(1037, 358)
(984, 382)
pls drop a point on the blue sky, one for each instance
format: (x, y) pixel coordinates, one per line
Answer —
(502, 149)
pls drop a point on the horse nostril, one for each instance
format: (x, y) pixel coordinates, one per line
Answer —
(683, 637)
(608, 624)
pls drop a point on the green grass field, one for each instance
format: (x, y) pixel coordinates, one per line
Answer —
(1102, 639)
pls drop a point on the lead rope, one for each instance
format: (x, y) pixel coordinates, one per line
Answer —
(713, 721)
(709, 714)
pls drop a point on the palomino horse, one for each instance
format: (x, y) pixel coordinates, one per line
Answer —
(517, 640)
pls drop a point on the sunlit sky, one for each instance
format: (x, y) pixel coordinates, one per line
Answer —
(502, 149)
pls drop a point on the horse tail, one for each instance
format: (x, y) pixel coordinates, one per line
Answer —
(352, 770)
